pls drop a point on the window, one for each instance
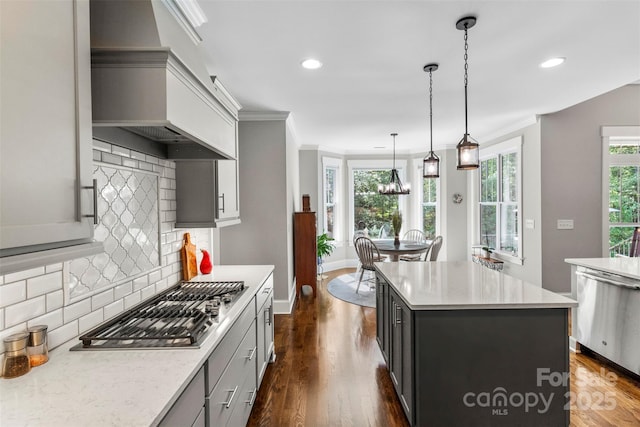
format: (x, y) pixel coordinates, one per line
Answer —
(331, 196)
(500, 213)
(429, 206)
(368, 208)
(621, 187)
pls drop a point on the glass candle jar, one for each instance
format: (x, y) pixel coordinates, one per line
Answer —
(37, 349)
(16, 361)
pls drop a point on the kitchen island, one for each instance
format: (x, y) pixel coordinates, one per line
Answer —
(466, 345)
(141, 387)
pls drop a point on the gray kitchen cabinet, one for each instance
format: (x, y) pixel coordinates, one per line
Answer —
(382, 317)
(264, 323)
(400, 350)
(46, 193)
(206, 193)
(188, 409)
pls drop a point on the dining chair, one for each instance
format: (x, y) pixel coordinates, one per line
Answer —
(414, 235)
(435, 249)
(368, 254)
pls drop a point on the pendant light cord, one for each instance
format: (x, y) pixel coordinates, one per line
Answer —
(431, 111)
(466, 78)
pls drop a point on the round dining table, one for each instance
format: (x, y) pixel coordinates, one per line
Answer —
(406, 247)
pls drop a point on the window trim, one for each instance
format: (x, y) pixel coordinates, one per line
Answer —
(608, 133)
(401, 166)
(418, 183)
(496, 150)
(333, 162)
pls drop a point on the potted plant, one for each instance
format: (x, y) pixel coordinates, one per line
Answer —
(324, 246)
(486, 252)
(396, 222)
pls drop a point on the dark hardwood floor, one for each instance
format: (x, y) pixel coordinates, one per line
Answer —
(329, 372)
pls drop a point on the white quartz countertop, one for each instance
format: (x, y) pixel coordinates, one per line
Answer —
(628, 267)
(464, 285)
(116, 388)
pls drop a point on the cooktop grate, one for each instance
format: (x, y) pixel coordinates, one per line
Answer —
(174, 318)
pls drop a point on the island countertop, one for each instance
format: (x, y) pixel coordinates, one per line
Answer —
(464, 285)
(119, 387)
(623, 266)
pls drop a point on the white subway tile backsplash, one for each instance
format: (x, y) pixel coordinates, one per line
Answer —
(53, 267)
(170, 216)
(114, 308)
(21, 275)
(131, 300)
(124, 152)
(162, 285)
(1, 319)
(12, 293)
(123, 290)
(101, 146)
(44, 284)
(145, 166)
(169, 173)
(140, 282)
(21, 327)
(164, 205)
(147, 292)
(25, 310)
(152, 160)
(101, 299)
(155, 276)
(165, 183)
(166, 271)
(138, 155)
(110, 158)
(52, 320)
(73, 311)
(62, 334)
(55, 300)
(97, 156)
(90, 320)
(130, 163)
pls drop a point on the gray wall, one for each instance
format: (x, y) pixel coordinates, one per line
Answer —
(571, 164)
(264, 236)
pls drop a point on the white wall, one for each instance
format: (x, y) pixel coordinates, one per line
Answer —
(453, 217)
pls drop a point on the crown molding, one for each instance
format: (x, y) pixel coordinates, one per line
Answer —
(261, 116)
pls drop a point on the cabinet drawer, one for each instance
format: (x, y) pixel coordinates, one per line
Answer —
(229, 391)
(264, 293)
(242, 410)
(222, 354)
(186, 409)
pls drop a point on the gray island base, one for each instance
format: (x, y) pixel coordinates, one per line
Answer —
(467, 346)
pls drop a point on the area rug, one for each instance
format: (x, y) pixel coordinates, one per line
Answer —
(344, 287)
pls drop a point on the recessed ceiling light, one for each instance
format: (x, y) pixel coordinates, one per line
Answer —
(311, 64)
(553, 62)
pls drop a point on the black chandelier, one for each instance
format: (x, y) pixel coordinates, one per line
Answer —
(394, 187)
(431, 163)
(468, 149)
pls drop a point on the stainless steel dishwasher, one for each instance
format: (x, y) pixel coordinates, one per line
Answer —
(608, 316)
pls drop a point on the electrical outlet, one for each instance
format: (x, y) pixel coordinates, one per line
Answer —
(530, 224)
(565, 224)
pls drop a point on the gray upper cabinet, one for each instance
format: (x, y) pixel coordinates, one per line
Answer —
(45, 139)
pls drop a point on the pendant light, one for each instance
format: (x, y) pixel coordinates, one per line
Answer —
(431, 163)
(468, 149)
(394, 187)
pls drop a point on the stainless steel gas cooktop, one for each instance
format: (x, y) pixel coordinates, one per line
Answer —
(179, 317)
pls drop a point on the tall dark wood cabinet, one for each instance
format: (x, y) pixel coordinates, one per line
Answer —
(304, 248)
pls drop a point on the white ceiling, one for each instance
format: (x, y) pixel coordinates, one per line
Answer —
(372, 82)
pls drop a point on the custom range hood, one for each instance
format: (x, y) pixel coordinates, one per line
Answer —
(150, 89)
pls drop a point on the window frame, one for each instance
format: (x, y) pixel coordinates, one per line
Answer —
(373, 164)
(609, 133)
(419, 205)
(332, 163)
(513, 145)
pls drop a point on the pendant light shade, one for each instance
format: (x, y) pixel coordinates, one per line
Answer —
(394, 187)
(431, 163)
(468, 149)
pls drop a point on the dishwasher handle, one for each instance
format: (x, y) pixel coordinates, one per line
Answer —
(608, 280)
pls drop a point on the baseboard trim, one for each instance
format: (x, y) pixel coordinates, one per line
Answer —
(285, 306)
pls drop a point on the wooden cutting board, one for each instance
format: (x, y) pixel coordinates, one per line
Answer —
(189, 261)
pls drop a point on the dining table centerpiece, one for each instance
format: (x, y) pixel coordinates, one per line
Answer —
(396, 222)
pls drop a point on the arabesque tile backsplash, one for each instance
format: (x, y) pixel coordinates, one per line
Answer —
(137, 207)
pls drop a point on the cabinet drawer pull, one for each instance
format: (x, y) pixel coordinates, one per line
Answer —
(251, 401)
(94, 215)
(268, 313)
(221, 197)
(253, 353)
(398, 318)
(266, 291)
(227, 404)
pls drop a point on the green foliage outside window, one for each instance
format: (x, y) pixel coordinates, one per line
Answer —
(373, 209)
